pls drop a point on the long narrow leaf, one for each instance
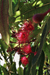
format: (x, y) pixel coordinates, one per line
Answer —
(4, 23)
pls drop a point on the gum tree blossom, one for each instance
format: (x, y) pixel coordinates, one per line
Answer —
(28, 26)
(27, 49)
(23, 36)
(24, 60)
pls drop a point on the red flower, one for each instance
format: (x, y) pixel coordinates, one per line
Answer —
(28, 26)
(27, 49)
(23, 36)
(24, 60)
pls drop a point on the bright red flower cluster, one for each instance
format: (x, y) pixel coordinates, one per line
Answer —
(23, 35)
(23, 38)
(27, 49)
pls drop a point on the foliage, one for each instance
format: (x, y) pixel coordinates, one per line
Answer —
(19, 32)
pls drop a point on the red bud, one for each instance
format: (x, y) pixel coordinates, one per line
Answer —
(37, 18)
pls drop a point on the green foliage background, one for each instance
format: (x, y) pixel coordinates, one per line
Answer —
(14, 12)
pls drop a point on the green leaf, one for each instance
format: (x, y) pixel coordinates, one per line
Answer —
(3, 48)
(15, 5)
(44, 1)
(36, 57)
(35, 32)
(14, 1)
(27, 68)
(10, 8)
(33, 70)
(48, 24)
(20, 71)
(4, 70)
(3, 45)
(11, 20)
(13, 68)
(46, 49)
(28, 10)
(4, 23)
(42, 58)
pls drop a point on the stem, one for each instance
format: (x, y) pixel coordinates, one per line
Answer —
(46, 12)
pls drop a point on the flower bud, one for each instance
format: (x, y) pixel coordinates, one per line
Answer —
(37, 18)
